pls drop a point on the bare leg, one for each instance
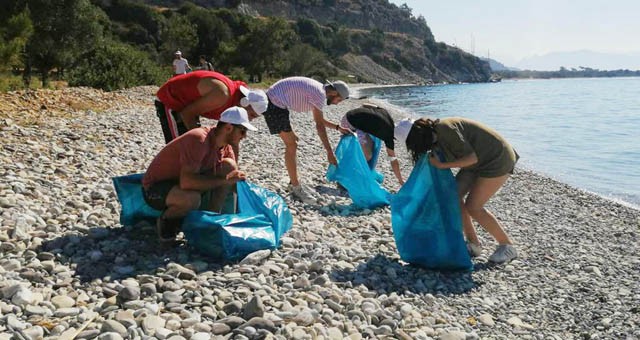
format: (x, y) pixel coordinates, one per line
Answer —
(483, 189)
(290, 161)
(367, 147)
(180, 202)
(465, 180)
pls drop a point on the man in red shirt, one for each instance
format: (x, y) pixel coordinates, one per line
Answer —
(195, 170)
(184, 98)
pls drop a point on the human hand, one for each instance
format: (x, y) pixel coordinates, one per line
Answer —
(236, 176)
(332, 158)
(344, 131)
(435, 161)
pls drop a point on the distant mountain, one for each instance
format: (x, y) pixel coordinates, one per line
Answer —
(584, 58)
(497, 66)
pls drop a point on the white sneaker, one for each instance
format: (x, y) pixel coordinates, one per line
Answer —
(302, 195)
(503, 253)
(474, 249)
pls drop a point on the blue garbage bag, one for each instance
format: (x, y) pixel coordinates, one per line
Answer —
(134, 208)
(427, 222)
(354, 173)
(262, 219)
(258, 200)
(228, 236)
(375, 153)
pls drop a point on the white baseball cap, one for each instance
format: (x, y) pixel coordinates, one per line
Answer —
(178, 53)
(257, 99)
(237, 116)
(402, 129)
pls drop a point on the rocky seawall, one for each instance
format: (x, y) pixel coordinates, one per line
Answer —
(69, 270)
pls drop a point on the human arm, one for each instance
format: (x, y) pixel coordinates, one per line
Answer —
(318, 117)
(463, 162)
(334, 126)
(191, 179)
(216, 96)
(395, 165)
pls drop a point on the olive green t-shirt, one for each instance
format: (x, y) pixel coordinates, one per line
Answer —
(459, 137)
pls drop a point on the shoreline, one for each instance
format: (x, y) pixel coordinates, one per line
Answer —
(66, 262)
(401, 111)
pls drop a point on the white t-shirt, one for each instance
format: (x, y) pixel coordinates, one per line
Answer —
(180, 65)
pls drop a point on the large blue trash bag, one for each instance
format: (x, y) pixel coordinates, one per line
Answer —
(262, 219)
(134, 208)
(375, 153)
(426, 220)
(353, 173)
(228, 236)
(258, 200)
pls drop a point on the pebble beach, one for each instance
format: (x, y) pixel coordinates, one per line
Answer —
(69, 270)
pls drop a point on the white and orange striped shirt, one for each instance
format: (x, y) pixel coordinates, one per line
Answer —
(298, 94)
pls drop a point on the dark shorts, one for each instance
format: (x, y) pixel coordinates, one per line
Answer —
(156, 194)
(277, 119)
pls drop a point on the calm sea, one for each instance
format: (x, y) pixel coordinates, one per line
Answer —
(583, 132)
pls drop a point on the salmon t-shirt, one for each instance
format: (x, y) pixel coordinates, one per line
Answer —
(192, 149)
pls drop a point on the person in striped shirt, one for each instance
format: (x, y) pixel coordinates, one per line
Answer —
(301, 94)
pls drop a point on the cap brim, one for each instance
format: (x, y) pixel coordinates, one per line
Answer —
(244, 90)
(249, 126)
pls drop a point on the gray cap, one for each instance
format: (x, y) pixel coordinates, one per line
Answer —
(341, 87)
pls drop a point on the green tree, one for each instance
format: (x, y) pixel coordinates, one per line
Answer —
(116, 65)
(14, 34)
(304, 60)
(63, 29)
(340, 42)
(179, 34)
(211, 30)
(263, 48)
(310, 33)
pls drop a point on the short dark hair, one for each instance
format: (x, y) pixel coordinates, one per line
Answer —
(420, 138)
(202, 56)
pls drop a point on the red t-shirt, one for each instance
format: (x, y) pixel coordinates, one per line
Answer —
(194, 148)
(182, 90)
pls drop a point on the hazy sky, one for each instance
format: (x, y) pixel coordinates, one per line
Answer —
(513, 29)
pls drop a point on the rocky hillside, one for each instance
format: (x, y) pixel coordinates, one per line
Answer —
(408, 52)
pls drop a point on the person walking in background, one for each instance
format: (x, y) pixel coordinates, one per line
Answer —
(301, 94)
(204, 65)
(184, 98)
(199, 166)
(180, 64)
(371, 120)
(486, 160)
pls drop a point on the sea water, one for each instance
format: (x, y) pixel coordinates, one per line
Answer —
(584, 132)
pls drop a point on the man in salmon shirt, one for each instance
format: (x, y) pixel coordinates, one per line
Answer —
(184, 98)
(196, 170)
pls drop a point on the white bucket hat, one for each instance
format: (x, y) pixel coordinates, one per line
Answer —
(257, 99)
(237, 116)
(402, 129)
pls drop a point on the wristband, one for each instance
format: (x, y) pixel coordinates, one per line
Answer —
(337, 126)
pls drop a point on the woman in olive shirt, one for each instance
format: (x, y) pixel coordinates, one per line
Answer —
(486, 160)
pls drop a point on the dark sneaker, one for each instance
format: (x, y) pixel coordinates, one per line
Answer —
(167, 230)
